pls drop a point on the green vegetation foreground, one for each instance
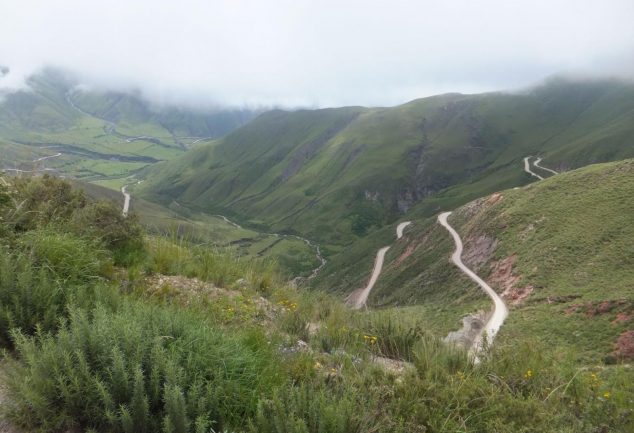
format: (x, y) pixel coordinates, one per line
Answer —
(94, 343)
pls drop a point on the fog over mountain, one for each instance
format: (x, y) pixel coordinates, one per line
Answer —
(308, 53)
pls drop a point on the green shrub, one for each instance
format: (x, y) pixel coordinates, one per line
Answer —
(44, 200)
(29, 297)
(32, 297)
(121, 235)
(141, 368)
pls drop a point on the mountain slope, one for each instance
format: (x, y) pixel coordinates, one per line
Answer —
(559, 250)
(101, 133)
(339, 174)
(293, 256)
(128, 110)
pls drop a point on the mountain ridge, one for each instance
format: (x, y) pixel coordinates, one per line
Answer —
(304, 172)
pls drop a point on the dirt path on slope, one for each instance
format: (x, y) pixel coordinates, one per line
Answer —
(126, 200)
(44, 158)
(500, 311)
(527, 168)
(358, 298)
(127, 197)
(536, 164)
(35, 161)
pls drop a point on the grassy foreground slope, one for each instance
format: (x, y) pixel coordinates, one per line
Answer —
(104, 330)
(560, 250)
(337, 174)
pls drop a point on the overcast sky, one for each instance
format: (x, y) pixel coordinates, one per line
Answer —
(315, 53)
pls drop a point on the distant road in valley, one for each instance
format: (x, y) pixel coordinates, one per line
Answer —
(44, 158)
(536, 164)
(126, 200)
(527, 167)
(37, 160)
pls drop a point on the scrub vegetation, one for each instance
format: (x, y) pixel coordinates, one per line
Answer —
(109, 329)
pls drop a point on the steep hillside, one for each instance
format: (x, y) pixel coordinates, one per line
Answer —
(339, 174)
(559, 250)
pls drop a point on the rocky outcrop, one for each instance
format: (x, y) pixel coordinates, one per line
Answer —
(471, 328)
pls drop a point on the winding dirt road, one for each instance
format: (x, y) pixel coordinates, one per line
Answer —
(527, 168)
(318, 255)
(37, 160)
(126, 200)
(500, 311)
(358, 298)
(536, 164)
(44, 158)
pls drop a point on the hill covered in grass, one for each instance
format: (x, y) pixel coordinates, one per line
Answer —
(105, 329)
(558, 250)
(293, 256)
(100, 134)
(338, 174)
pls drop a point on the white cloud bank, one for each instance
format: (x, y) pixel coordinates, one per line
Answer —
(315, 53)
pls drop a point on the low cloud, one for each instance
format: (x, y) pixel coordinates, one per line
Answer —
(308, 53)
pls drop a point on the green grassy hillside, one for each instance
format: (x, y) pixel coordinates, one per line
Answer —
(101, 135)
(104, 328)
(292, 255)
(129, 112)
(561, 248)
(338, 174)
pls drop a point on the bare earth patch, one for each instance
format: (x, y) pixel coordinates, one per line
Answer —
(478, 251)
(353, 298)
(392, 365)
(503, 278)
(494, 198)
(624, 347)
(622, 318)
(622, 308)
(192, 291)
(408, 252)
(188, 290)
